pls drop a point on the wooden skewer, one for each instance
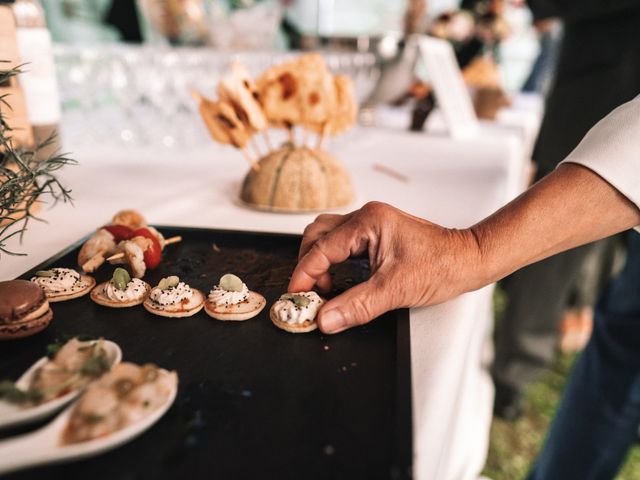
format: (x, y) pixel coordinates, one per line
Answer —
(267, 140)
(252, 162)
(115, 256)
(253, 143)
(168, 241)
(172, 240)
(196, 96)
(292, 137)
(323, 136)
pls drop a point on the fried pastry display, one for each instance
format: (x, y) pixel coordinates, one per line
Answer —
(300, 94)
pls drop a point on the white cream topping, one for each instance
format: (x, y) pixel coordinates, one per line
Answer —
(136, 289)
(221, 297)
(63, 280)
(171, 295)
(289, 312)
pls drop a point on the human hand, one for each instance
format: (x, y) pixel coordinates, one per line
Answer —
(413, 263)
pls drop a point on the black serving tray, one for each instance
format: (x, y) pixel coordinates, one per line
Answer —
(254, 401)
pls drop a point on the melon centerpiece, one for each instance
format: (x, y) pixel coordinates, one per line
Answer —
(299, 95)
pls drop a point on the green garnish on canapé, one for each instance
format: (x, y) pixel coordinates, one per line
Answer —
(121, 278)
(168, 282)
(300, 300)
(230, 283)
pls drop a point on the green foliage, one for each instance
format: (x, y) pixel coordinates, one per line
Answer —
(515, 445)
(24, 179)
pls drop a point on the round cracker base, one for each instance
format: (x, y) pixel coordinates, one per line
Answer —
(307, 326)
(149, 305)
(26, 329)
(98, 297)
(237, 313)
(62, 297)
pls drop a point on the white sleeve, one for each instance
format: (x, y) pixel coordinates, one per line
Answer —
(612, 150)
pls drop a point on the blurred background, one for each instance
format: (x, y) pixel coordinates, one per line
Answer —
(122, 62)
(122, 73)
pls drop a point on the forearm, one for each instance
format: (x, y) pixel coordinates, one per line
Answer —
(570, 207)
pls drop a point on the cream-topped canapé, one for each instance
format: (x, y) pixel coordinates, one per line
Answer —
(57, 280)
(221, 297)
(136, 289)
(290, 310)
(171, 295)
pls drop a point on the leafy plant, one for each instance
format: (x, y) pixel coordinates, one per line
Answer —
(24, 179)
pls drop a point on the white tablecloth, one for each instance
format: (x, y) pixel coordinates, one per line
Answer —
(454, 183)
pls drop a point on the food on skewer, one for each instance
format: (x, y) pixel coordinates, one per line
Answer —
(94, 250)
(296, 312)
(173, 298)
(132, 253)
(74, 365)
(24, 309)
(238, 89)
(129, 218)
(125, 395)
(60, 284)
(108, 240)
(232, 300)
(121, 291)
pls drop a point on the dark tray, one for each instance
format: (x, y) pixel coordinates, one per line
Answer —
(254, 401)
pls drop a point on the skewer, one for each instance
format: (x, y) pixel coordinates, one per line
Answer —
(172, 240)
(168, 241)
(115, 256)
(252, 162)
(196, 95)
(292, 137)
(253, 143)
(267, 140)
(323, 136)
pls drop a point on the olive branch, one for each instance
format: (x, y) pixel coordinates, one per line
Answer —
(24, 179)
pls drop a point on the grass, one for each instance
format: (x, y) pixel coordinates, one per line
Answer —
(515, 445)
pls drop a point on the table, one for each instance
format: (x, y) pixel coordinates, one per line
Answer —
(454, 183)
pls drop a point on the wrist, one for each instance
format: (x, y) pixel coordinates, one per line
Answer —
(476, 271)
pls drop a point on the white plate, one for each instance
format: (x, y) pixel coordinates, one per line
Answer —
(44, 445)
(12, 415)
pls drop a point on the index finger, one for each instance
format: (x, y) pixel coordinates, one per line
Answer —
(334, 247)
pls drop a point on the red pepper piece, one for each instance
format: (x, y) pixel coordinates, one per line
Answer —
(153, 254)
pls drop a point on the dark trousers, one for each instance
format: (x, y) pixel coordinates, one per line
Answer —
(599, 414)
(527, 335)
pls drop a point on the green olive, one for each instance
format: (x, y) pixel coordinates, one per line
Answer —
(44, 273)
(121, 278)
(230, 283)
(168, 282)
(299, 300)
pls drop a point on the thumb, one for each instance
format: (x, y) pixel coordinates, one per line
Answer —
(356, 306)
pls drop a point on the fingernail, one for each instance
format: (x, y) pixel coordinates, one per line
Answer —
(332, 321)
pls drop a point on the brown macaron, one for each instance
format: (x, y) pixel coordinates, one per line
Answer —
(24, 309)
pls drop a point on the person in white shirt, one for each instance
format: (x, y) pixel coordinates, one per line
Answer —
(594, 193)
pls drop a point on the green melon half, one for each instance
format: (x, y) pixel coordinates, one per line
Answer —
(297, 180)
